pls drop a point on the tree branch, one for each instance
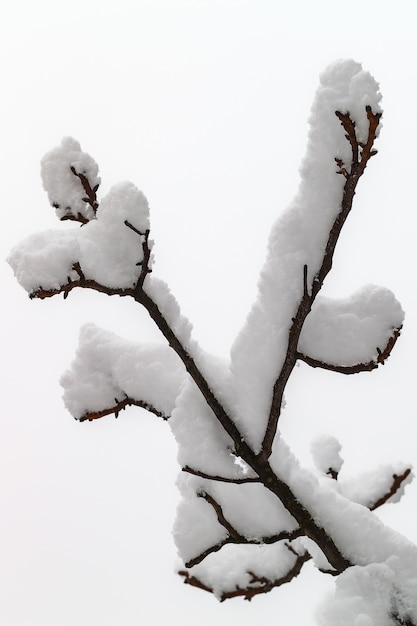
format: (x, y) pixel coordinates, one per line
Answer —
(257, 584)
(260, 466)
(357, 167)
(120, 405)
(146, 251)
(90, 192)
(265, 585)
(358, 367)
(234, 537)
(223, 479)
(85, 283)
(395, 486)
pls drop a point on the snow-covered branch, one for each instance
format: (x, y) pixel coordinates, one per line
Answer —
(361, 153)
(110, 373)
(351, 335)
(233, 535)
(222, 479)
(250, 516)
(249, 583)
(383, 485)
(70, 177)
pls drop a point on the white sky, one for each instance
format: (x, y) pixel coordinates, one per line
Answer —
(204, 105)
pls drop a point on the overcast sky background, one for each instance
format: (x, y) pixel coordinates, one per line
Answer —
(203, 105)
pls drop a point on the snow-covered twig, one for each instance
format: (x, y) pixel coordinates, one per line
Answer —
(257, 584)
(120, 405)
(358, 367)
(223, 479)
(397, 484)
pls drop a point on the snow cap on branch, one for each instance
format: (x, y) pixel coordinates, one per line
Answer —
(106, 249)
(247, 567)
(371, 595)
(369, 487)
(111, 251)
(357, 89)
(46, 259)
(108, 369)
(349, 331)
(62, 170)
(325, 451)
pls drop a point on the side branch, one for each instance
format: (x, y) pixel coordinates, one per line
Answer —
(397, 482)
(233, 535)
(257, 584)
(146, 251)
(82, 282)
(358, 367)
(222, 479)
(120, 405)
(361, 153)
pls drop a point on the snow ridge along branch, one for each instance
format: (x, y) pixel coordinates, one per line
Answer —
(361, 153)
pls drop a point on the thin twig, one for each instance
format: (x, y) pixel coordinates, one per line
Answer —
(397, 482)
(223, 479)
(91, 192)
(233, 535)
(358, 367)
(120, 405)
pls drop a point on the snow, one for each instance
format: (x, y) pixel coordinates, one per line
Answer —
(110, 251)
(166, 302)
(325, 451)
(202, 442)
(265, 517)
(235, 566)
(108, 367)
(298, 238)
(64, 188)
(46, 259)
(368, 487)
(107, 250)
(196, 528)
(349, 331)
(368, 596)
(358, 533)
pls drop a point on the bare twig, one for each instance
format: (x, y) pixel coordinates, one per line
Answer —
(234, 535)
(146, 251)
(332, 473)
(71, 217)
